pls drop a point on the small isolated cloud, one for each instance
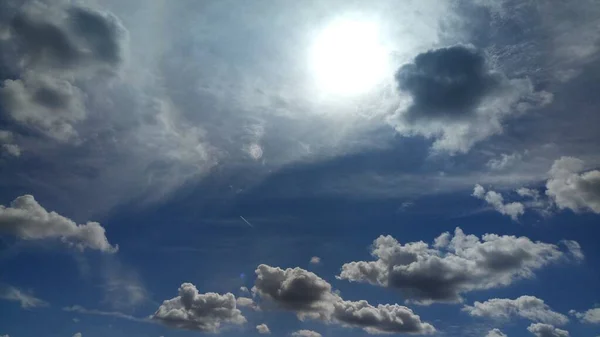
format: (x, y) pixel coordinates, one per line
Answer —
(309, 296)
(546, 330)
(28, 220)
(26, 300)
(78, 334)
(263, 329)
(194, 311)
(528, 307)
(244, 290)
(495, 333)
(315, 260)
(454, 265)
(458, 100)
(305, 333)
(495, 199)
(570, 188)
(591, 316)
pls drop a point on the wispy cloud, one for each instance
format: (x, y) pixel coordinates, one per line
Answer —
(27, 300)
(81, 310)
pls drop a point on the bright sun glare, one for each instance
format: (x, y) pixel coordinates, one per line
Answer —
(348, 57)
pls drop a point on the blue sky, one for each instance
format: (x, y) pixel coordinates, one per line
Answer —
(303, 169)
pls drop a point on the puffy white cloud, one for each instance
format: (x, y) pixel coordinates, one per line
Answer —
(78, 334)
(571, 188)
(454, 265)
(309, 296)
(26, 300)
(315, 260)
(305, 333)
(546, 330)
(529, 307)
(589, 316)
(28, 220)
(247, 302)
(495, 199)
(263, 329)
(495, 333)
(199, 312)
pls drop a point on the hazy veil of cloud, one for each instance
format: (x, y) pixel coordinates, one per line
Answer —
(455, 264)
(528, 307)
(25, 219)
(26, 300)
(546, 330)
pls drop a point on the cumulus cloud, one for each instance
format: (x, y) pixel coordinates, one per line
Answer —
(28, 220)
(192, 310)
(495, 333)
(51, 49)
(589, 316)
(247, 302)
(309, 296)
(495, 199)
(454, 265)
(26, 300)
(305, 333)
(315, 260)
(546, 330)
(528, 307)
(570, 188)
(458, 100)
(263, 329)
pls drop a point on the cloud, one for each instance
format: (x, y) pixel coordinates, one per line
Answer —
(6, 140)
(27, 301)
(546, 330)
(496, 333)
(305, 333)
(590, 316)
(199, 312)
(309, 296)
(246, 302)
(453, 266)
(495, 199)
(570, 188)
(528, 307)
(78, 334)
(28, 220)
(315, 260)
(457, 99)
(81, 310)
(505, 161)
(244, 290)
(263, 329)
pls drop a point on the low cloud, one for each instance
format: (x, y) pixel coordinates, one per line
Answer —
(495, 333)
(263, 329)
(28, 220)
(194, 311)
(309, 296)
(590, 316)
(305, 333)
(453, 265)
(546, 330)
(458, 100)
(495, 199)
(26, 300)
(528, 307)
(315, 260)
(571, 188)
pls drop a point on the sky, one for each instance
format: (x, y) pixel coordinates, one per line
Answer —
(299, 168)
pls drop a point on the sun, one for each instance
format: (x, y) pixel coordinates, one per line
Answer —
(348, 57)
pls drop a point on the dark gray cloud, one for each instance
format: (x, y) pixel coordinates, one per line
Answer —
(309, 296)
(546, 330)
(446, 83)
(26, 219)
(528, 307)
(453, 265)
(199, 312)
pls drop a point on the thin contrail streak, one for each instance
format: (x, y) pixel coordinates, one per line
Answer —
(246, 221)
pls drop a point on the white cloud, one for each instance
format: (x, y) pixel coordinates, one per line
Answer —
(199, 312)
(81, 310)
(571, 188)
(495, 199)
(590, 316)
(505, 161)
(247, 302)
(496, 333)
(453, 266)
(528, 307)
(78, 334)
(546, 330)
(28, 220)
(305, 333)
(315, 260)
(27, 301)
(244, 290)
(309, 296)
(263, 329)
